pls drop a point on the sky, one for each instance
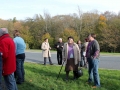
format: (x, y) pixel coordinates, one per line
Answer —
(22, 9)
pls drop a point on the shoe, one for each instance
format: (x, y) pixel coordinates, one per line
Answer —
(88, 82)
(51, 64)
(19, 82)
(74, 79)
(94, 86)
(66, 79)
(23, 80)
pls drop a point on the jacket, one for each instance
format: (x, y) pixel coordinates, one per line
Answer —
(77, 56)
(59, 49)
(7, 48)
(93, 48)
(20, 45)
(46, 49)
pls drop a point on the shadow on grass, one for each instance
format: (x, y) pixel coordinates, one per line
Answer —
(29, 86)
(33, 60)
(50, 72)
(46, 72)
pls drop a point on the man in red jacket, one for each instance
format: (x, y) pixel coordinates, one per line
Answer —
(7, 49)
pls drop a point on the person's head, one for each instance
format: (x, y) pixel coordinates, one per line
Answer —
(78, 42)
(91, 37)
(86, 40)
(16, 33)
(70, 40)
(60, 39)
(46, 39)
(3, 31)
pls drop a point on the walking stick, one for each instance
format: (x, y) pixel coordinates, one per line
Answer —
(60, 71)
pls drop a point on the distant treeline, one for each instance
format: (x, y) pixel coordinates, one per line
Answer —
(105, 25)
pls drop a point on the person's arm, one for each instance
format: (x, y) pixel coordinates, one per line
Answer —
(4, 50)
(42, 46)
(97, 50)
(24, 45)
(15, 42)
(78, 51)
(63, 53)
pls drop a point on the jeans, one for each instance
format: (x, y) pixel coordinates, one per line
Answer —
(20, 70)
(10, 82)
(93, 71)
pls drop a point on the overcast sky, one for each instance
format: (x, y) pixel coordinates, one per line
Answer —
(21, 9)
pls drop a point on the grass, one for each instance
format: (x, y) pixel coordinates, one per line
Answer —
(110, 54)
(101, 53)
(40, 77)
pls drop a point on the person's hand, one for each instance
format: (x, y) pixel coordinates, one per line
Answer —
(49, 47)
(57, 46)
(44, 49)
(64, 59)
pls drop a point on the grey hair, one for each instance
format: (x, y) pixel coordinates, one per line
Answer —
(3, 31)
(60, 38)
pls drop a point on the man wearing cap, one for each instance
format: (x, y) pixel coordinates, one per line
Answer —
(7, 49)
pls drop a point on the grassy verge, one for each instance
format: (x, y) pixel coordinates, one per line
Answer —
(101, 53)
(110, 54)
(40, 77)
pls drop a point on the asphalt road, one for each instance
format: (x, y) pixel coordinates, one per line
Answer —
(106, 62)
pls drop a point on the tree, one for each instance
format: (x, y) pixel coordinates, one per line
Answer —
(50, 39)
(69, 32)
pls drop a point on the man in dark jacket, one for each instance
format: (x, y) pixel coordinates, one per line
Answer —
(59, 47)
(92, 55)
(7, 50)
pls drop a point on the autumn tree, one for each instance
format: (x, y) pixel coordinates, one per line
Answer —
(69, 32)
(50, 39)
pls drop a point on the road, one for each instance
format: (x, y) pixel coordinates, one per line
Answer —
(106, 62)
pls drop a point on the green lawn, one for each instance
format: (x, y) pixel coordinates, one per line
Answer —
(40, 77)
(101, 53)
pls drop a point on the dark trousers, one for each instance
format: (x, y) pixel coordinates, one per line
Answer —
(45, 58)
(20, 68)
(59, 57)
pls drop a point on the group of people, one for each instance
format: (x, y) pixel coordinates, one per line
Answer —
(72, 53)
(12, 56)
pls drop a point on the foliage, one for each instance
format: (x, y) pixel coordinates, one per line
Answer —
(105, 25)
(69, 32)
(40, 77)
(50, 39)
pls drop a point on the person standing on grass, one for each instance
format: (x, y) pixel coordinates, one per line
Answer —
(80, 45)
(46, 51)
(71, 55)
(20, 56)
(7, 50)
(84, 52)
(92, 55)
(59, 47)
